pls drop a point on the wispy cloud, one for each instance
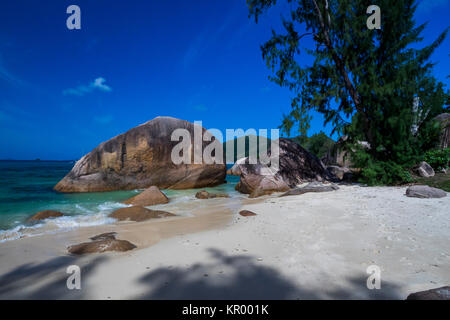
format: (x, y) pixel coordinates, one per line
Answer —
(7, 76)
(97, 84)
(426, 6)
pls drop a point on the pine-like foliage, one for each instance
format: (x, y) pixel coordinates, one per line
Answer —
(376, 78)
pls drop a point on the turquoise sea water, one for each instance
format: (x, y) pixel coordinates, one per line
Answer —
(26, 187)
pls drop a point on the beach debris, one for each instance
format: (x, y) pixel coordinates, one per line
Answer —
(311, 187)
(442, 293)
(138, 214)
(41, 215)
(104, 236)
(148, 197)
(421, 191)
(206, 195)
(247, 213)
(423, 169)
(142, 157)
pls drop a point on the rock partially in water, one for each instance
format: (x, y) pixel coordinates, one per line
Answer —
(140, 158)
(148, 197)
(442, 293)
(247, 213)
(423, 169)
(207, 195)
(425, 192)
(100, 246)
(311, 187)
(45, 215)
(138, 214)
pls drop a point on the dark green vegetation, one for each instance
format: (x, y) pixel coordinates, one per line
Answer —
(318, 144)
(440, 180)
(372, 85)
(438, 158)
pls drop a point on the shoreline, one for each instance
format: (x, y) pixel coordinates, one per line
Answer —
(312, 246)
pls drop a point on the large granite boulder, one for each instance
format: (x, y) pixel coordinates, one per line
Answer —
(296, 165)
(138, 214)
(148, 197)
(425, 192)
(141, 158)
(41, 215)
(423, 169)
(235, 170)
(442, 293)
(444, 121)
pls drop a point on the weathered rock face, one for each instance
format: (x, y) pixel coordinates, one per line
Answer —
(235, 170)
(138, 214)
(424, 170)
(444, 120)
(442, 293)
(148, 197)
(45, 215)
(425, 192)
(141, 158)
(207, 195)
(296, 165)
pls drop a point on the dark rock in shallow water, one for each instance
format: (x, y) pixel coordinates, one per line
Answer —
(425, 192)
(138, 214)
(247, 213)
(45, 215)
(206, 195)
(141, 158)
(442, 293)
(311, 187)
(148, 197)
(100, 246)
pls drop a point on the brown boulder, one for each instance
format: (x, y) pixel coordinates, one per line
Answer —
(141, 158)
(206, 195)
(148, 197)
(423, 169)
(442, 293)
(138, 214)
(104, 236)
(100, 246)
(247, 213)
(45, 215)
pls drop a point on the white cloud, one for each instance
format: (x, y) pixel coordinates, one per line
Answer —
(97, 84)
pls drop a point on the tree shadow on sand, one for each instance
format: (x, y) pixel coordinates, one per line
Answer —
(244, 277)
(38, 280)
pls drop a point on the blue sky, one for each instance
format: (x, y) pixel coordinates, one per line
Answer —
(62, 92)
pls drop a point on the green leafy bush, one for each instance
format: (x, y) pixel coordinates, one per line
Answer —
(438, 159)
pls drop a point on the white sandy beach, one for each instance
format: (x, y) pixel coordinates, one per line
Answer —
(311, 246)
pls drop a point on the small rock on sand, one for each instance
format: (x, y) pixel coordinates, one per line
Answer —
(247, 213)
(311, 187)
(425, 192)
(442, 293)
(100, 246)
